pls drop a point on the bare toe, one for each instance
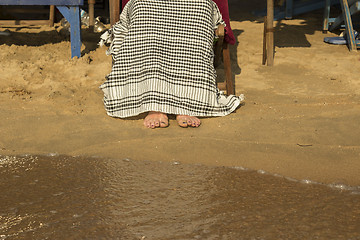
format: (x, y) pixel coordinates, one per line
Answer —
(185, 121)
(157, 123)
(147, 123)
(164, 124)
(155, 120)
(182, 121)
(151, 123)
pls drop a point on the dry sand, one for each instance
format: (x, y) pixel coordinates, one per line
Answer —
(300, 118)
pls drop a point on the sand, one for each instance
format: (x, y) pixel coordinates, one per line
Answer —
(300, 117)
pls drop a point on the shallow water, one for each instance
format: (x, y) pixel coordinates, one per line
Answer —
(62, 197)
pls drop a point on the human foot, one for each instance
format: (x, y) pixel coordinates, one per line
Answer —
(185, 121)
(156, 119)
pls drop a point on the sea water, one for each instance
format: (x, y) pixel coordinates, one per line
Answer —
(62, 197)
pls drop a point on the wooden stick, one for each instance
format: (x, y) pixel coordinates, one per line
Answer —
(270, 33)
(117, 11)
(24, 22)
(114, 6)
(227, 68)
(264, 42)
(111, 11)
(52, 15)
(25, 10)
(91, 13)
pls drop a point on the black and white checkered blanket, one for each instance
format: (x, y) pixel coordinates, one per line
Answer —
(163, 60)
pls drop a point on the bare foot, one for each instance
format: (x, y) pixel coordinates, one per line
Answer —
(185, 121)
(156, 119)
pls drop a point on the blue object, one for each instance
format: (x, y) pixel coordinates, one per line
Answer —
(69, 9)
(333, 23)
(72, 15)
(335, 40)
(349, 30)
(340, 40)
(292, 8)
(348, 8)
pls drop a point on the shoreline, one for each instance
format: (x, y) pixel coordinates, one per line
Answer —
(299, 119)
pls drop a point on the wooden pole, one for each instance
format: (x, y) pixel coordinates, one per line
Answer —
(91, 13)
(264, 42)
(227, 68)
(52, 15)
(270, 33)
(114, 6)
(111, 11)
(117, 10)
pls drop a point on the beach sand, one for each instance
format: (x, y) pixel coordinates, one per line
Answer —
(300, 117)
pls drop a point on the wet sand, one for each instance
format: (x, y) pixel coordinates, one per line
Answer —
(300, 117)
(62, 197)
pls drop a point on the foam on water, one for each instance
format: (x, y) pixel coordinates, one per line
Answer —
(339, 186)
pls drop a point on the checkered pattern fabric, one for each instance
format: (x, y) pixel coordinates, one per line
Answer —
(163, 60)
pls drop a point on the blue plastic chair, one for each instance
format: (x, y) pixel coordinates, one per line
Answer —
(69, 9)
(348, 8)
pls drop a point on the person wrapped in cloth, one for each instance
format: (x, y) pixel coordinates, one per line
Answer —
(162, 54)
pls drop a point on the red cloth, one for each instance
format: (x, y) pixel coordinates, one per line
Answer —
(224, 10)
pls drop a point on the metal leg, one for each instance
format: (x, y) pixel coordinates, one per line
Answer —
(289, 9)
(354, 7)
(348, 25)
(72, 15)
(326, 16)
